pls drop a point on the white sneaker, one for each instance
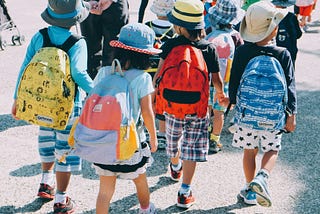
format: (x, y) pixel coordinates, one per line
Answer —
(151, 210)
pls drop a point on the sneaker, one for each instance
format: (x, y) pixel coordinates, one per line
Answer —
(185, 201)
(162, 142)
(46, 191)
(175, 175)
(214, 146)
(248, 196)
(151, 210)
(259, 186)
(67, 208)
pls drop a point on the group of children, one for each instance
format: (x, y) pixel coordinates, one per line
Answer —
(187, 139)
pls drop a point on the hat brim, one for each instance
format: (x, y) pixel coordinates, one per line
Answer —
(187, 25)
(257, 37)
(216, 19)
(149, 51)
(283, 3)
(157, 11)
(67, 23)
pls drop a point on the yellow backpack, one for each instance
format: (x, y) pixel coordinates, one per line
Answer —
(46, 90)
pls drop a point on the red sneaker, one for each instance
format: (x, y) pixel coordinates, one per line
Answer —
(46, 191)
(185, 201)
(175, 175)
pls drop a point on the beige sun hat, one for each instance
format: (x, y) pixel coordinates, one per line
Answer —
(261, 19)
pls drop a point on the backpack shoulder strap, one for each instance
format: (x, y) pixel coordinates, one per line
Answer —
(70, 42)
(65, 46)
(46, 39)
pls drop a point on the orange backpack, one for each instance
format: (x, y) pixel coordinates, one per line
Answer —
(182, 86)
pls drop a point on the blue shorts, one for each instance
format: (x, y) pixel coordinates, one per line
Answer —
(53, 143)
(246, 138)
(189, 135)
(216, 105)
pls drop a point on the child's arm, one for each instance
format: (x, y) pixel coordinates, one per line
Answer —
(290, 123)
(149, 120)
(218, 85)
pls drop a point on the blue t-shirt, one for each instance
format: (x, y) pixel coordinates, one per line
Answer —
(77, 54)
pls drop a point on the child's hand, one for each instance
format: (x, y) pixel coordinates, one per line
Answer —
(219, 96)
(224, 101)
(153, 144)
(290, 123)
(105, 4)
(14, 110)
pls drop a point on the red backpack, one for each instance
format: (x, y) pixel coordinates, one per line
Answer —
(182, 86)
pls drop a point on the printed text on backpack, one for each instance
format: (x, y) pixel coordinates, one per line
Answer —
(46, 90)
(106, 131)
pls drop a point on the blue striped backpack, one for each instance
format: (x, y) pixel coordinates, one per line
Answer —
(262, 95)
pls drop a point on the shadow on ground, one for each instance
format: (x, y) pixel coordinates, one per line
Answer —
(301, 150)
(7, 121)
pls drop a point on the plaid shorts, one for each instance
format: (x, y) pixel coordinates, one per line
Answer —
(246, 138)
(190, 135)
(52, 143)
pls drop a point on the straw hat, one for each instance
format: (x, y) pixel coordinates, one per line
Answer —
(187, 14)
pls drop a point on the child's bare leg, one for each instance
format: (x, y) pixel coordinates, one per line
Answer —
(218, 120)
(269, 160)
(303, 21)
(188, 171)
(106, 190)
(143, 192)
(249, 163)
(162, 126)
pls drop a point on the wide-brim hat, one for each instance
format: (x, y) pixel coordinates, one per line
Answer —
(65, 13)
(226, 12)
(136, 37)
(247, 3)
(162, 7)
(187, 14)
(283, 3)
(260, 20)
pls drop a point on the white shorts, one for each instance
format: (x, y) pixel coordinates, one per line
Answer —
(246, 138)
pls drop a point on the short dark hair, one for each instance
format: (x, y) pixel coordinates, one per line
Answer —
(196, 34)
(136, 60)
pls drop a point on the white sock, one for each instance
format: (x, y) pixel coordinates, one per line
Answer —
(264, 173)
(60, 198)
(48, 178)
(177, 167)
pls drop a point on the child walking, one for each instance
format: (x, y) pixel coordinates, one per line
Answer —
(222, 17)
(258, 28)
(289, 30)
(164, 31)
(61, 15)
(133, 48)
(305, 10)
(187, 138)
